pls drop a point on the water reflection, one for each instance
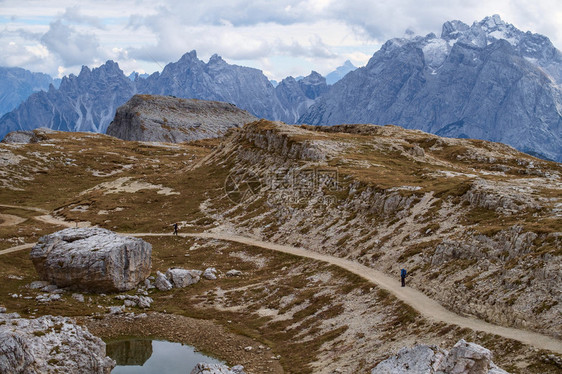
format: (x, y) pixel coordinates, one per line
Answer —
(130, 352)
(144, 356)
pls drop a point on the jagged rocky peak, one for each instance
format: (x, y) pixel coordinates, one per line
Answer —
(486, 81)
(453, 29)
(171, 119)
(340, 72)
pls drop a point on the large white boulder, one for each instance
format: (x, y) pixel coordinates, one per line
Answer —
(92, 259)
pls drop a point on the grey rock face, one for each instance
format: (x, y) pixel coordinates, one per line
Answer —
(169, 119)
(206, 368)
(86, 102)
(50, 344)
(464, 358)
(488, 81)
(92, 259)
(17, 84)
(296, 97)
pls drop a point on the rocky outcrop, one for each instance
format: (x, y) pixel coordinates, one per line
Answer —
(206, 368)
(170, 119)
(464, 358)
(92, 259)
(486, 81)
(26, 137)
(49, 345)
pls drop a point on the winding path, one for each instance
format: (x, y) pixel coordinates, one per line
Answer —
(426, 306)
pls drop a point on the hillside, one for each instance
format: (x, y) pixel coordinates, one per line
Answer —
(476, 224)
(168, 119)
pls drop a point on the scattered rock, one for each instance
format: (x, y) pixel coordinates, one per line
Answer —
(92, 259)
(134, 300)
(47, 298)
(38, 284)
(233, 273)
(51, 288)
(162, 283)
(48, 345)
(464, 358)
(2, 309)
(206, 368)
(116, 309)
(78, 297)
(248, 348)
(210, 274)
(182, 277)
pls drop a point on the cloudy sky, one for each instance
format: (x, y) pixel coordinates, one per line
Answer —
(281, 37)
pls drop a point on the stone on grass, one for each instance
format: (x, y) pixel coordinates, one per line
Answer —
(38, 284)
(50, 345)
(233, 273)
(210, 273)
(182, 278)
(162, 282)
(92, 259)
(78, 297)
(207, 368)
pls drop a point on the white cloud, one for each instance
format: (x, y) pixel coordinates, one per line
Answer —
(280, 37)
(74, 48)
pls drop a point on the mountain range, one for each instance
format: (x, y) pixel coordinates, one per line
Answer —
(18, 84)
(488, 81)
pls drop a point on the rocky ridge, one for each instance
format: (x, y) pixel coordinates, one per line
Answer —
(169, 119)
(459, 214)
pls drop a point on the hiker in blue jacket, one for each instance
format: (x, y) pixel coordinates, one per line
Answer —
(403, 275)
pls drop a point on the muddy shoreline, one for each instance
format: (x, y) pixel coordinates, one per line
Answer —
(207, 336)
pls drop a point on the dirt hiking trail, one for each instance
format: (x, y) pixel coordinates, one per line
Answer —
(426, 306)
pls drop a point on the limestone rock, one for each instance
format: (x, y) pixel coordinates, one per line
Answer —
(92, 259)
(50, 344)
(169, 119)
(464, 358)
(206, 368)
(182, 278)
(162, 282)
(210, 274)
(420, 359)
(233, 273)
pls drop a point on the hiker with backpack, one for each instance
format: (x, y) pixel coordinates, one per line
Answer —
(403, 275)
(175, 229)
